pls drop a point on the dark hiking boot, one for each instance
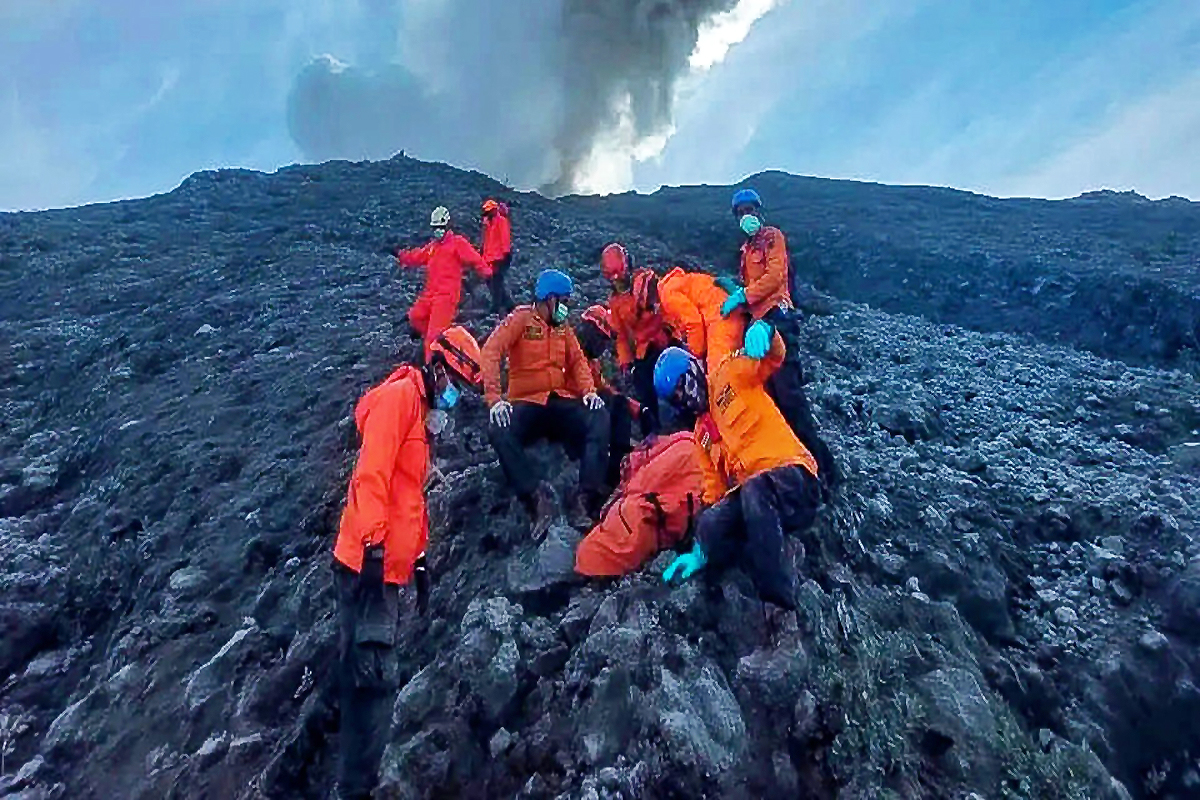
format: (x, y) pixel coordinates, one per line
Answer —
(545, 509)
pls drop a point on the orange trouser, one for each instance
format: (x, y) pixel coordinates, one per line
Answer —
(431, 315)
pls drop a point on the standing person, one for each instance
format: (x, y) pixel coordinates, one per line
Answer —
(759, 482)
(550, 396)
(641, 334)
(444, 258)
(765, 295)
(497, 251)
(382, 538)
(595, 335)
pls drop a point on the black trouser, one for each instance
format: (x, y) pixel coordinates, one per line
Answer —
(367, 672)
(749, 524)
(643, 389)
(620, 429)
(786, 388)
(502, 301)
(583, 433)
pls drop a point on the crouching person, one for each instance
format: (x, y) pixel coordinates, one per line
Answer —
(381, 541)
(550, 396)
(760, 481)
(652, 510)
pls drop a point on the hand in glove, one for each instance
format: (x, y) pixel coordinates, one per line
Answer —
(593, 401)
(728, 285)
(372, 566)
(501, 413)
(758, 339)
(734, 300)
(686, 565)
(421, 578)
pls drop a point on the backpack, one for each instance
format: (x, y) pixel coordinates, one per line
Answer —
(665, 471)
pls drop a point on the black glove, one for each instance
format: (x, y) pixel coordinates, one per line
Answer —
(421, 578)
(372, 568)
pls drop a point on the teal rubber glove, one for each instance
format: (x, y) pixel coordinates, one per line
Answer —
(727, 284)
(686, 565)
(758, 339)
(733, 301)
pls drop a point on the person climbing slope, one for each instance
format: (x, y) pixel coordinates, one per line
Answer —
(496, 249)
(444, 258)
(764, 294)
(550, 396)
(653, 508)
(382, 537)
(595, 335)
(760, 481)
(640, 334)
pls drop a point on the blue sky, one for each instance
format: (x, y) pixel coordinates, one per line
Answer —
(120, 98)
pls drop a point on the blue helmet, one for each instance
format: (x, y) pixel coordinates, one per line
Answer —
(553, 282)
(671, 364)
(745, 197)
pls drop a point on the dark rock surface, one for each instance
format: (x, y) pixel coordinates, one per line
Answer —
(1000, 600)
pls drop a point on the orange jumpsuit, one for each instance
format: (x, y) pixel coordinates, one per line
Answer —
(444, 260)
(386, 500)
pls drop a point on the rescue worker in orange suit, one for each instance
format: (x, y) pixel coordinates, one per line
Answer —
(497, 252)
(381, 541)
(653, 509)
(550, 396)
(595, 335)
(760, 481)
(640, 334)
(764, 297)
(444, 259)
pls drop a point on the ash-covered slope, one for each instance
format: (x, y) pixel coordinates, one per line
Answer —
(1002, 598)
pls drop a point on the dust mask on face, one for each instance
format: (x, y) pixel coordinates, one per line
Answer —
(561, 312)
(449, 397)
(439, 233)
(750, 224)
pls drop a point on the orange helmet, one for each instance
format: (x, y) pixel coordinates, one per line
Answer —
(645, 289)
(460, 351)
(490, 205)
(598, 315)
(614, 262)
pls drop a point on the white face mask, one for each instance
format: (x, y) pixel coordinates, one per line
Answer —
(438, 422)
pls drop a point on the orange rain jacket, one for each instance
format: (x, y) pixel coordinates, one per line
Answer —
(765, 272)
(636, 329)
(444, 260)
(743, 434)
(652, 509)
(542, 360)
(691, 305)
(386, 500)
(497, 235)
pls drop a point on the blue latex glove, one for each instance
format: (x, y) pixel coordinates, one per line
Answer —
(758, 339)
(687, 564)
(733, 301)
(727, 284)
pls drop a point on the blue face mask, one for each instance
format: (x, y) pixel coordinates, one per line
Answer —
(750, 224)
(449, 397)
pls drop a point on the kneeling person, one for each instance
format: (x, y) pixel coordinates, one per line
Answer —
(550, 396)
(758, 477)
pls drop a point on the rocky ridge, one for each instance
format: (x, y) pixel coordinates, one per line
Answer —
(1000, 601)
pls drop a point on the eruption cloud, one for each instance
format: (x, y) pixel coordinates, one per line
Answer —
(562, 95)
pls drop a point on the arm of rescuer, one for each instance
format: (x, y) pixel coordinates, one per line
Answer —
(468, 255)
(496, 349)
(775, 273)
(686, 318)
(384, 432)
(414, 257)
(715, 482)
(578, 371)
(624, 329)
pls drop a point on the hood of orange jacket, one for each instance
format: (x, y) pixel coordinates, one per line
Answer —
(385, 503)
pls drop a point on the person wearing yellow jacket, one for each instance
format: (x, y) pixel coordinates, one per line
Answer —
(382, 537)
(759, 480)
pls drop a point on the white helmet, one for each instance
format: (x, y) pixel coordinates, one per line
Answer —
(440, 217)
